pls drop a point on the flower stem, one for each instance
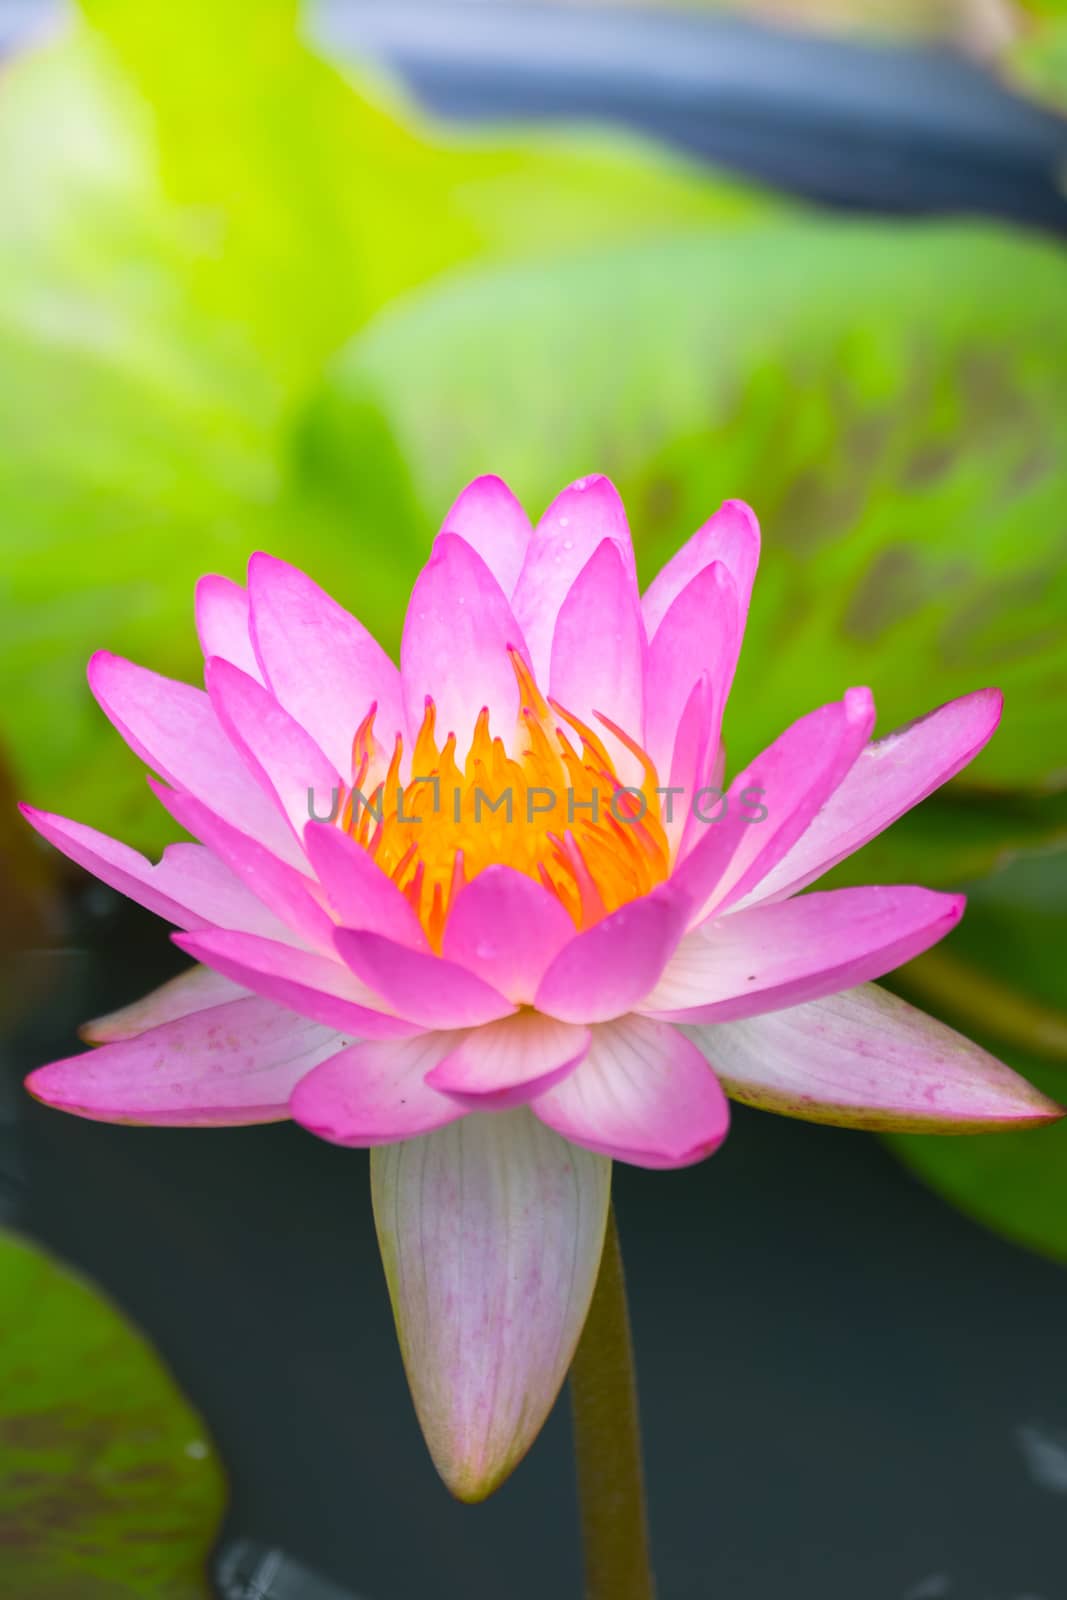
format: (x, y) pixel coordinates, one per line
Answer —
(607, 1442)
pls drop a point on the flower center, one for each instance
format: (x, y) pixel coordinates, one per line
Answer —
(559, 814)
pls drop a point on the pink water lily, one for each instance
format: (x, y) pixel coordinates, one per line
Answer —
(490, 914)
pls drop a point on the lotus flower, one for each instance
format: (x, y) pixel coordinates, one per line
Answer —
(491, 915)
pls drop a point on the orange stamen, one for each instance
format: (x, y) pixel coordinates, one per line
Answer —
(564, 819)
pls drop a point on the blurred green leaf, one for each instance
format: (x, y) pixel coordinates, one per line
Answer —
(195, 213)
(999, 975)
(889, 397)
(301, 202)
(1016, 922)
(1009, 948)
(109, 1487)
(960, 835)
(1035, 58)
(1013, 1183)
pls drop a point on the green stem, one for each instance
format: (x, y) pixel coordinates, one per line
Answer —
(607, 1442)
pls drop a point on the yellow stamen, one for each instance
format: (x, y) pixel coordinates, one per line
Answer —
(564, 819)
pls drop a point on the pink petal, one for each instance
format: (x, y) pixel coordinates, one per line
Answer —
(323, 665)
(279, 887)
(606, 970)
(696, 744)
(376, 1092)
(889, 777)
(491, 1232)
(865, 1059)
(599, 650)
(643, 1094)
(357, 888)
(457, 634)
(779, 955)
(222, 623)
(196, 989)
(490, 519)
(432, 992)
(174, 730)
(730, 536)
(789, 781)
(299, 980)
(506, 1062)
(576, 522)
(281, 755)
(228, 1065)
(506, 928)
(699, 634)
(189, 886)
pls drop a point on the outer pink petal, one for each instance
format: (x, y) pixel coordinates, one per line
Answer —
(889, 777)
(780, 955)
(299, 980)
(609, 968)
(700, 634)
(865, 1059)
(491, 520)
(506, 928)
(281, 755)
(790, 781)
(174, 730)
(376, 1092)
(196, 989)
(491, 1232)
(357, 888)
(322, 664)
(576, 522)
(643, 1094)
(599, 651)
(457, 634)
(509, 1061)
(222, 623)
(286, 892)
(730, 536)
(189, 886)
(232, 1064)
(433, 992)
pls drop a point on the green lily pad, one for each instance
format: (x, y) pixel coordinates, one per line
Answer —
(1008, 949)
(1016, 922)
(1013, 1183)
(957, 837)
(196, 213)
(1035, 56)
(890, 398)
(109, 1485)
